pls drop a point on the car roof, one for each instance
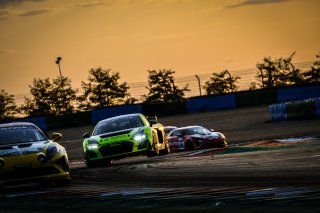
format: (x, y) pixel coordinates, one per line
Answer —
(119, 116)
(170, 127)
(17, 124)
(187, 127)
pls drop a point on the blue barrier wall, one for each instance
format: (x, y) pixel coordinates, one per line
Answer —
(211, 103)
(39, 121)
(292, 94)
(100, 114)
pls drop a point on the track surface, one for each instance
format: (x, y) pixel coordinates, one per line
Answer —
(246, 176)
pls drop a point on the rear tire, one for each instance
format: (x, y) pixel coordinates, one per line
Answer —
(189, 146)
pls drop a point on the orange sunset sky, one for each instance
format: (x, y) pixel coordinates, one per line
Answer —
(133, 36)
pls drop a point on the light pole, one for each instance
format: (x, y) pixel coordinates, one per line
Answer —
(61, 83)
(58, 62)
(199, 83)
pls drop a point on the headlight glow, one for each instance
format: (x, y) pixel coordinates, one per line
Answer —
(53, 150)
(92, 146)
(139, 137)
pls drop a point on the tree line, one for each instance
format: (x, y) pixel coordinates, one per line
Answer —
(102, 88)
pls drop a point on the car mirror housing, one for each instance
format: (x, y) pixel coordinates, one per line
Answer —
(56, 136)
(153, 120)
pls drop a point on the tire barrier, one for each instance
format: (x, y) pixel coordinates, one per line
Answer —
(318, 108)
(296, 110)
(278, 112)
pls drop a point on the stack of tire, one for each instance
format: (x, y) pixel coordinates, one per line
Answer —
(296, 110)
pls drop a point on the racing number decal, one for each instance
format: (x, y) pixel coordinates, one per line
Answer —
(181, 143)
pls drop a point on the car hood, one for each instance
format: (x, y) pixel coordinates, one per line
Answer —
(210, 135)
(22, 148)
(115, 134)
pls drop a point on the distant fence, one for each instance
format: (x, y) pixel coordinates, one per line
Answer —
(138, 89)
(279, 109)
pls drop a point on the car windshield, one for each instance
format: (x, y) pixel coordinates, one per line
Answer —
(118, 124)
(167, 130)
(20, 134)
(197, 130)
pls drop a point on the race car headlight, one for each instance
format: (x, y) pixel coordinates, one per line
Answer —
(92, 146)
(139, 137)
(52, 150)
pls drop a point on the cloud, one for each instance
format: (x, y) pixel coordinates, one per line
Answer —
(35, 12)
(5, 51)
(9, 12)
(8, 3)
(254, 2)
(90, 4)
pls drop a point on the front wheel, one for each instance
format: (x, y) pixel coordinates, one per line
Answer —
(155, 151)
(166, 150)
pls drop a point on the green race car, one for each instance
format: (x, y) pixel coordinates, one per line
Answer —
(123, 136)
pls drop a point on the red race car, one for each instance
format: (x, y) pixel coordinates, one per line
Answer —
(195, 137)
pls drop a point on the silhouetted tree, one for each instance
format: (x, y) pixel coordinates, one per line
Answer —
(161, 87)
(253, 86)
(8, 107)
(221, 83)
(278, 72)
(54, 97)
(313, 75)
(104, 90)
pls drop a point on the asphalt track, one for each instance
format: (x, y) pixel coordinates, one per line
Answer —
(256, 172)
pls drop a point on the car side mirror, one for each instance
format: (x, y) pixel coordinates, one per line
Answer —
(153, 120)
(56, 136)
(212, 130)
(86, 135)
